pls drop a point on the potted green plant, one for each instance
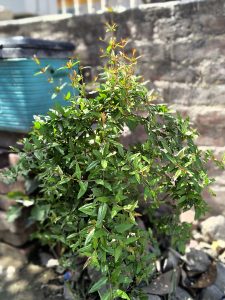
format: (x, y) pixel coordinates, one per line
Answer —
(91, 186)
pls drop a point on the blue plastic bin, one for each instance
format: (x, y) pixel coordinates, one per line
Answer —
(23, 95)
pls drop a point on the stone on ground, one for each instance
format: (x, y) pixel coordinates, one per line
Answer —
(181, 294)
(213, 228)
(211, 293)
(197, 261)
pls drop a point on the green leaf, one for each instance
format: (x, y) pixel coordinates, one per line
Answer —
(92, 165)
(101, 213)
(54, 95)
(40, 212)
(104, 163)
(121, 294)
(37, 61)
(78, 171)
(71, 236)
(137, 176)
(86, 250)
(120, 150)
(177, 174)
(67, 96)
(123, 227)
(181, 153)
(182, 199)
(83, 188)
(115, 210)
(102, 281)
(104, 183)
(131, 207)
(16, 194)
(103, 199)
(130, 240)
(89, 236)
(105, 296)
(37, 124)
(88, 209)
(117, 254)
(14, 212)
(38, 154)
(100, 233)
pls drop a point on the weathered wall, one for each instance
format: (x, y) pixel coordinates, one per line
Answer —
(183, 53)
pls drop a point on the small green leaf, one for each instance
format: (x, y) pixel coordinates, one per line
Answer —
(104, 163)
(37, 125)
(88, 209)
(131, 207)
(101, 213)
(40, 212)
(181, 153)
(92, 165)
(54, 95)
(102, 281)
(71, 236)
(115, 210)
(89, 236)
(78, 171)
(177, 174)
(104, 183)
(38, 154)
(86, 249)
(137, 176)
(121, 294)
(120, 150)
(182, 199)
(37, 61)
(189, 132)
(14, 212)
(118, 252)
(130, 240)
(83, 188)
(16, 194)
(102, 199)
(67, 96)
(105, 296)
(123, 227)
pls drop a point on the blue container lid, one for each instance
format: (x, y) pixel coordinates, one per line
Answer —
(30, 43)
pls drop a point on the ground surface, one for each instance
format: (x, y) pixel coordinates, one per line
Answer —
(23, 280)
(32, 273)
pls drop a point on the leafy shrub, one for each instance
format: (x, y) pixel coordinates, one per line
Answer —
(91, 186)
